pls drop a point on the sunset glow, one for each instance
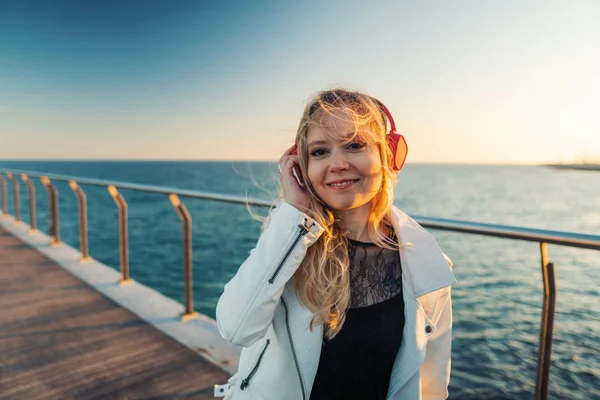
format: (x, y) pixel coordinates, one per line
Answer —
(469, 82)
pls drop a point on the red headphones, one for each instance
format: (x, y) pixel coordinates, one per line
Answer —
(396, 141)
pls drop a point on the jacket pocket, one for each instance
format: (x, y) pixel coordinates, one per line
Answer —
(246, 380)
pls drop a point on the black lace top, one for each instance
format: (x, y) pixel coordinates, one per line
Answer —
(358, 361)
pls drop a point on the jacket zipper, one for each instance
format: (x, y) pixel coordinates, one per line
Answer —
(303, 231)
(246, 381)
(287, 325)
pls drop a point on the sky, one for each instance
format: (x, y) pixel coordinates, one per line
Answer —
(485, 82)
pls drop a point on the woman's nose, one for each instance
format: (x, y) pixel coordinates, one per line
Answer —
(337, 161)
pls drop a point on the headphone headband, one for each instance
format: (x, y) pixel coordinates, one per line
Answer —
(387, 113)
(396, 141)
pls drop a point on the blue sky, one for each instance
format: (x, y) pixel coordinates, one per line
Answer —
(467, 81)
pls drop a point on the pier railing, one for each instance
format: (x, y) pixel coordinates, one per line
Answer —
(543, 237)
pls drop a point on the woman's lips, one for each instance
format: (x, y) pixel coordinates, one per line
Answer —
(342, 185)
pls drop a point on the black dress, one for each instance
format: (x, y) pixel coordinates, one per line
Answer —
(358, 361)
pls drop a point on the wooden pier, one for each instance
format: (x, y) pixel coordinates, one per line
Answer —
(61, 339)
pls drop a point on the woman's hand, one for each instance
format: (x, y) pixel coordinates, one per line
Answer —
(293, 193)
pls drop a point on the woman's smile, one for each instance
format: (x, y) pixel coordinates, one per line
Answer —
(342, 184)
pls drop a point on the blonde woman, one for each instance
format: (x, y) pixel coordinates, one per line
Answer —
(344, 295)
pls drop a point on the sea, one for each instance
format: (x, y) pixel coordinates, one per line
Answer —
(497, 300)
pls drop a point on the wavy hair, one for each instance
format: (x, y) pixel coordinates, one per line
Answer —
(323, 278)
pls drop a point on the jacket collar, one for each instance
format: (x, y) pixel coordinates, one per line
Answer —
(424, 266)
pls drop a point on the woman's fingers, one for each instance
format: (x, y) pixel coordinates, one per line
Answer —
(283, 161)
(290, 162)
(293, 191)
(286, 153)
(287, 165)
(284, 158)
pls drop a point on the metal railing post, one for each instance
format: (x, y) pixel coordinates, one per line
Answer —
(32, 218)
(83, 230)
(53, 205)
(4, 195)
(547, 326)
(123, 234)
(186, 224)
(16, 196)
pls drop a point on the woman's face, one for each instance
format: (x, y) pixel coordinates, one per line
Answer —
(345, 173)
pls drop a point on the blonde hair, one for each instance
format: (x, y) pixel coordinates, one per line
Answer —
(323, 279)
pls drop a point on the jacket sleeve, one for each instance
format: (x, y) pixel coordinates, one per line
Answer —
(247, 306)
(435, 370)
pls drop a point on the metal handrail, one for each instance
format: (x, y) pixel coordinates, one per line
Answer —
(194, 194)
(542, 236)
(561, 238)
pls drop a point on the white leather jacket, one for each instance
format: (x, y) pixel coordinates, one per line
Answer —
(259, 310)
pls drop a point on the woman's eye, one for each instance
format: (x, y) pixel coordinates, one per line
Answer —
(317, 152)
(356, 145)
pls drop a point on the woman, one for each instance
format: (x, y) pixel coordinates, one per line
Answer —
(344, 296)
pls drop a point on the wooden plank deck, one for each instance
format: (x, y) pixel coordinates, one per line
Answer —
(60, 339)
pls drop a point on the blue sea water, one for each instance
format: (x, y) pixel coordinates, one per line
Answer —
(499, 292)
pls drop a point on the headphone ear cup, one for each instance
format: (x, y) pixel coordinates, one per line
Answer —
(399, 149)
(294, 151)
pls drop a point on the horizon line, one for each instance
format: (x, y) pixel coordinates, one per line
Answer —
(522, 163)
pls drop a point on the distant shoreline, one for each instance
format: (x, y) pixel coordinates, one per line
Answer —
(582, 167)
